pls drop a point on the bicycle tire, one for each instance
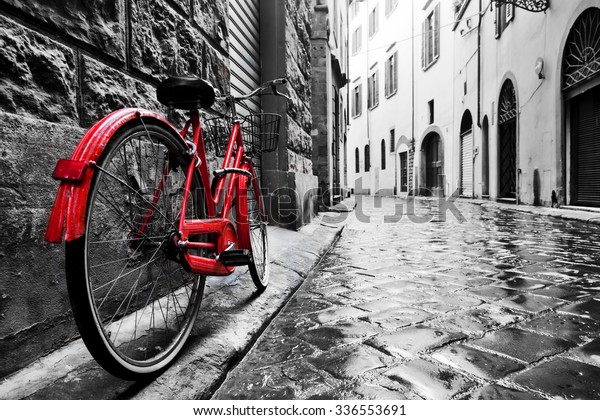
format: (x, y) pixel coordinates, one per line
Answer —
(257, 233)
(133, 302)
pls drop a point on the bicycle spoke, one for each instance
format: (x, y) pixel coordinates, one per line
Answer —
(138, 194)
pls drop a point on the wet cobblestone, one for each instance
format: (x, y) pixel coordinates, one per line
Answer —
(503, 306)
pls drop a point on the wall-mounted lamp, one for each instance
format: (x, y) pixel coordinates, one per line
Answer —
(539, 68)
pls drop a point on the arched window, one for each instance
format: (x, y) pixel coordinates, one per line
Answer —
(383, 155)
(356, 161)
(367, 159)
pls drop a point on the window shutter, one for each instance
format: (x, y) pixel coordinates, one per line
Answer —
(436, 31)
(377, 87)
(424, 44)
(395, 73)
(497, 22)
(510, 12)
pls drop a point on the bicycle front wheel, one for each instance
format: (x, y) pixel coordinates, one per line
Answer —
(257, 234)
(133, 302)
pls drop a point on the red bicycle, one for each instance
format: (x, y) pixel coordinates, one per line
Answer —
(144, 224)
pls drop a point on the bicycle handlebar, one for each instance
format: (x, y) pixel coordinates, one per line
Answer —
(271, 84)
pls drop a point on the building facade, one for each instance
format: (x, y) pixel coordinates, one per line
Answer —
(380, 96)
(67, 64)
(490, 116)
(329, 41)
(533, 108)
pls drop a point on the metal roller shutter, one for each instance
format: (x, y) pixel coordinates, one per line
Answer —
(466, 164)
(244, 49)
(586, 149)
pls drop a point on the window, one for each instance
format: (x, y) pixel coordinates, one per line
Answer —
(373, 90)
(354, 8)
(431, 38)
(383, 156)
(431, 106)
(357, 160)
(357, 101)
(390, 5)
(392, 140)
(391, 75)
(505, 13)
(367, 159)
(357, 40)
(404, 171)
(374, 21)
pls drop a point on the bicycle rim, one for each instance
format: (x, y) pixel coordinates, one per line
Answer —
(259, 244)
(140, 304)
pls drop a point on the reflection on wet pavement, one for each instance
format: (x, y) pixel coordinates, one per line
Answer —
(503, 306)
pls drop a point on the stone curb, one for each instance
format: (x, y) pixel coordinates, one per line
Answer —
(560, 213)
(231, 319)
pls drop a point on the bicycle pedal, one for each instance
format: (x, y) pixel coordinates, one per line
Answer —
(234, 257)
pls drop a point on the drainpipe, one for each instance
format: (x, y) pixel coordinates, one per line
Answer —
(412, 75)
(479, 67)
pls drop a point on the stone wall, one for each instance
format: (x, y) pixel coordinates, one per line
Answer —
(288, 174)
(298, 73)
(65, 64)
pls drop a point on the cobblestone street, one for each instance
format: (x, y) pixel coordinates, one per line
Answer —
(505, 305)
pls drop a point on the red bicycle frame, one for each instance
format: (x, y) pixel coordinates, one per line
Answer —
(76, 174)
(217, 224)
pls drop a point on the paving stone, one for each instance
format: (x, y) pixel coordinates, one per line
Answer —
(327, 337)
(476, 362)
(492, 292)
(478, 320)
(377, 392)
(379, 304)
(394, 318)
(472, 282)
(498, 392)
(568, 327)
(587, 284)
(429, 380)
(590, 353)
(523, 345)
(530, 303)
(562, 292)
(307, 305)
(408, 342)
(337, 313)
(589, 309)
(366, 294)
(523, 283)
(350, 363)
(563, 378)
(272, 351)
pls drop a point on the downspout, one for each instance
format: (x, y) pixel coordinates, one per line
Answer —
(479, 67)
(412, 75)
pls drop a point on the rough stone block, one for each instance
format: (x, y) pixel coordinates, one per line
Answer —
(211, 16)
(105, 89)
(99, 23)
(38, 75)
(298, 140)
(297, 163)
(163, 43)
(217, 70)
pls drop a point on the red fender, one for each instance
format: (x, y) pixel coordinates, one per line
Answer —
(69, 210)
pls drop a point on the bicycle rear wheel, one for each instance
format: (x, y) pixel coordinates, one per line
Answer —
(257, 239)
(133, 302)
